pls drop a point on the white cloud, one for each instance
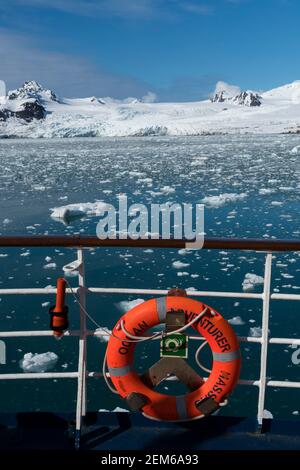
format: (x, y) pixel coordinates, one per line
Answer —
(230, 90)
(150, 97)
(120, 8)
(21, 59)
(200, 9)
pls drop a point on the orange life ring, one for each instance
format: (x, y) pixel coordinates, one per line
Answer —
(212, 326)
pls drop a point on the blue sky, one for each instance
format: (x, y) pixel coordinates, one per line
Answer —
(177, 49)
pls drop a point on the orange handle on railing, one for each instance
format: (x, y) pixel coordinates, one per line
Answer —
(59, 313)
(60, 295)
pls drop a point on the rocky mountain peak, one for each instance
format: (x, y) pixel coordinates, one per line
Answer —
(219, 97)
(244, 98)
(32, 89)
(247, 98)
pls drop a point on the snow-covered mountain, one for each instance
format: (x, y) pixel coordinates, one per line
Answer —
(33, 111)
(245, 98)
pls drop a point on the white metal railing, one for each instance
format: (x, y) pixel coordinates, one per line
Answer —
(82, 374)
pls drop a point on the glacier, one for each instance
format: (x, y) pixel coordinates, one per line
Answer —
(34, 112)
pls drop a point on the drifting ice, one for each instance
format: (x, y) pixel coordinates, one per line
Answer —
(103, 330)
(126, 305)
(179, 265)
(236, 321)
(251, 280)
(218, 201)
(118, 409)
(255, 332)
(81, 209)
(38, 362)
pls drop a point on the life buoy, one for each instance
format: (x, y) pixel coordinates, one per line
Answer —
(211, 325)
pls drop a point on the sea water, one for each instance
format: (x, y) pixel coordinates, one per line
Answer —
(250, 187)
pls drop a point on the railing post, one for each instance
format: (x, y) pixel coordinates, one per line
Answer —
(264, 340)
(81, 388)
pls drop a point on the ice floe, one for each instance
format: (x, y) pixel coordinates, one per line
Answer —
(50, 266)
(295, 150)
(255, 332)
(222, 199)
(118, 409)
(267, 414)
(179, 265)
(251, 281)
(104, 331)
(7, 221)
(78, 210)
(126, 305)
(236, 321)
(34, 362)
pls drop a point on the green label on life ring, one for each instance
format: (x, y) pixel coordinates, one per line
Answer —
(174, 345)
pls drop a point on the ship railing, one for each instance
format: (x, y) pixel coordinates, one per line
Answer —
(82, 290)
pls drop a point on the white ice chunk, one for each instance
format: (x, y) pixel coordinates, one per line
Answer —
(118, 409)
(255, 332)
(50, 266)
(267, 414)
(222, 199)
(265, 191)
(38, 362)
(251, 280)
(79, 210)
(179, 265)
(295, 150)
(126, 305)
(103, 330)
(236, 321)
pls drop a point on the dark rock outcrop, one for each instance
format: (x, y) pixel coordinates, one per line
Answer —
(247, 98)
(97, 100)
(27, 102)
(218, 97)
(31, 110)
(244, 98)
(3, 115)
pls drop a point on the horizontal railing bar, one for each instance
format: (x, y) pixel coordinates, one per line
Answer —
(285, 296)
(40, 375)
(49, 333)
(74, 375)
(255, 383)
(191, 293)
(90, 241)
(116, 290)
(34, 291)
(283, 383)
(284, 341)
(37, 333)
